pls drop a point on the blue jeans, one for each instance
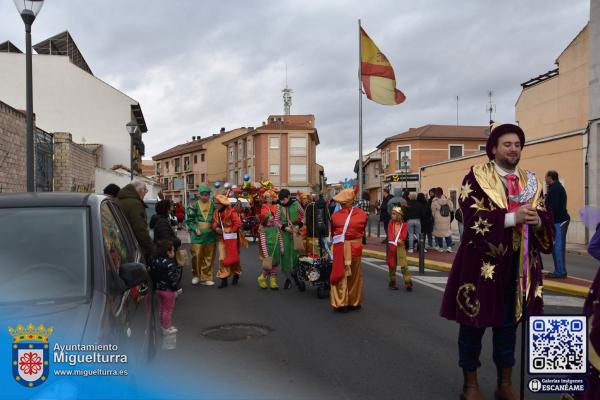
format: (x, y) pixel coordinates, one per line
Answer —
(558, 252)
(414, 228)
(440, 241)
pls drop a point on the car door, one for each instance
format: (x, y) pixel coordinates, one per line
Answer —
(131, 308)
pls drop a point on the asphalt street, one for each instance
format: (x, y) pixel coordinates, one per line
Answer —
(396, 347)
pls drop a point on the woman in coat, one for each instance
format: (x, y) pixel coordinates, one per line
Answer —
(441, 208)
(161, 224)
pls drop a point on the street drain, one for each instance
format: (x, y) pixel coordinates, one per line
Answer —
(235, 332)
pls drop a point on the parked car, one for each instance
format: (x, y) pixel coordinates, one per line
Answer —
(71, 261)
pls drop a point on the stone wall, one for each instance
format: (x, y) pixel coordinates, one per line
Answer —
(74, 164)
(13, 125)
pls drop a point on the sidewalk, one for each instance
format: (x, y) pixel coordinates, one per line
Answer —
(443, 262)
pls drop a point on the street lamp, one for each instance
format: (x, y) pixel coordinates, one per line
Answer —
(131, 128)
(29, 9)
(405, 161)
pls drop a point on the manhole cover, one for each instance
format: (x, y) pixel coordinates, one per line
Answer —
(233, 332)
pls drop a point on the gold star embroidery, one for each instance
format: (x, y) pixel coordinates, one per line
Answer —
(478, 204)
(481, 226)
(538, 291)
(496, 251)
(487, 270)
(465, 190)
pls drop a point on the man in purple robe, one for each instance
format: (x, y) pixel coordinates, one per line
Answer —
(506, 226)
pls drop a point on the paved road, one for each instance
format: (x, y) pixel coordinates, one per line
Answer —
(396, 347)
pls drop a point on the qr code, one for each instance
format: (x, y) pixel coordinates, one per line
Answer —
(558, 344)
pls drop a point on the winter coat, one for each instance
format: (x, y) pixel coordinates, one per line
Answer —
(383, 211)
(415, 210)
(556, 201)
(427, 221)
(161, 224)
(165, 273)
(135, 211)
(441, 225)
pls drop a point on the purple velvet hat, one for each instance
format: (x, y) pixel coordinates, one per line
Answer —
(499, 131)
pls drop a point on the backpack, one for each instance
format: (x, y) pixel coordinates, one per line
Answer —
(445, 210)
(458, 215)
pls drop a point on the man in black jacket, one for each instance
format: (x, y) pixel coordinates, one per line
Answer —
(556, 201)
(384, 215)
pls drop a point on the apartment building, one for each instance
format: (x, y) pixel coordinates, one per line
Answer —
(202, 161)
(282, 150)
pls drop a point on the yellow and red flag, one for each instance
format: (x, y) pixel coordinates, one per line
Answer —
(377, 74)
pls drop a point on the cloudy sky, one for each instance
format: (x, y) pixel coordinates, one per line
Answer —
(197, 66)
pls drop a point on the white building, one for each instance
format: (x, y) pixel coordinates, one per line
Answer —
(67, 97)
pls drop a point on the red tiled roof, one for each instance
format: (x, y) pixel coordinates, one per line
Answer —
(443, 132)
(182, 149)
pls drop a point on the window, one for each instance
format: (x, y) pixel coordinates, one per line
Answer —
(482, 147)
(177, 163)
(297, 172)
(403, 151)
(274, 142)
(231, 153)
(202, 178)
(202, 157)
(250, 148)
(166, 184)
(455, 150)
(186, 163)
(195, 159)
(297, 146)
(167, 166)
(157, 168)
(236, 177)
(190, 180)
(274, 169)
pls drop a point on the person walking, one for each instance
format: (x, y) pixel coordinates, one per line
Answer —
(130, 199)
(427, 220)
(384, 215)
(226, 223)
(348, 227)
(429, 231)
(441, 208)
(556, 201)
(415, 213)
(203, 239)
(396, 250)
(503, 211)
(291, 215)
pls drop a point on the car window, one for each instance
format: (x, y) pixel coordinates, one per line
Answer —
(45, 254)
(115, 243)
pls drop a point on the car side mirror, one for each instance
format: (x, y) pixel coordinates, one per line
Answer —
(133, 274)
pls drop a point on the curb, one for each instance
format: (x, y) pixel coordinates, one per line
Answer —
(549, 285)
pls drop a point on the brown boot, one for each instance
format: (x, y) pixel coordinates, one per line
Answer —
(470, 387)
(505, 391)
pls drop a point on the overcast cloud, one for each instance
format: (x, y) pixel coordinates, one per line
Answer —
(197, 66)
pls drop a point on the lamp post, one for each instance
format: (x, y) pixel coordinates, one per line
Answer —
(131, 128)
(29, 9)
(405, 161)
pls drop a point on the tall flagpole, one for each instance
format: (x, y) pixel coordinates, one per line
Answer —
(360, 149)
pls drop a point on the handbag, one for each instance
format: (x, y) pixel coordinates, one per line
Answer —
(182, 258)
(298, 241)
(267, 262)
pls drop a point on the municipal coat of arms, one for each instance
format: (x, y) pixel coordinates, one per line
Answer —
(30, 354)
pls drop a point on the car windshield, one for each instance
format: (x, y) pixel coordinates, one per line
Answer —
(44, 255)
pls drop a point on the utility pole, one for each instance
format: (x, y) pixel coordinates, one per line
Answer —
(491, 107)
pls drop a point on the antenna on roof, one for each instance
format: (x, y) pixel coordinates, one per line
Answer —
(457, 110)
(287, 96)
(491, 107)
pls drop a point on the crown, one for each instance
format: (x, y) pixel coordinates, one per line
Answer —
(30, 332)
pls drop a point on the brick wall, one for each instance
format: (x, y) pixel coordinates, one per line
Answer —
(13, 125)
(74, 165)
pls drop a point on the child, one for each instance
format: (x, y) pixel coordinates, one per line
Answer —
(397, 233)
(166, 276)
(270, 245)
